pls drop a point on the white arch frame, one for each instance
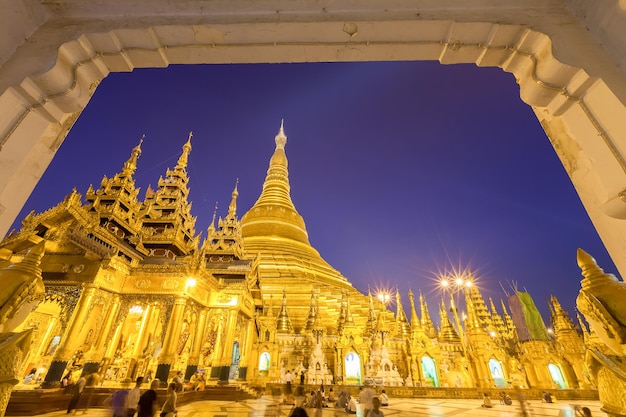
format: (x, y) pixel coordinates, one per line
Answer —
(576, 88)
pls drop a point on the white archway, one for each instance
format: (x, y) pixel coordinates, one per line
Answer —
(576, 88)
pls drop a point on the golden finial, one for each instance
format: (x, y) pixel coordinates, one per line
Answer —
(232, 208)
(281, 138)
(212, 225)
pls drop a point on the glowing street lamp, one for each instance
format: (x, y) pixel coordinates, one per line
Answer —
(384, 297)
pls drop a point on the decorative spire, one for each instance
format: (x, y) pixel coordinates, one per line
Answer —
(211, 229)
(415, 321)
(311, 319)
(131, 165)
(403, 327)
(115, 203)
(184, 156)
(447, 332)
(167, 224)
(473, 321)
(496, 320)
(342, 314)
(283, 323)
(227, 238)
(232, 208)
(281, 138)
(427, 322)
(560, 320)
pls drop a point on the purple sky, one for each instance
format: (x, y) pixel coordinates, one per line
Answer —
(401, 170)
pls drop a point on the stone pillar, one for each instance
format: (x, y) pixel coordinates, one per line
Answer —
(70, 340)
(194, 355)
(168, 352)
(96, 354)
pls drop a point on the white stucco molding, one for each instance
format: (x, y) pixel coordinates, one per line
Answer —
(580, 104)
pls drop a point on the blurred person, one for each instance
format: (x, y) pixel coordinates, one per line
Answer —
(118, 401)
(169, 406)
(133, 397)
(148, 405)
(77, 391)
(375, 411)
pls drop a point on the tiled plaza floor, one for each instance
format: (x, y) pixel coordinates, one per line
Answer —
(267, 406)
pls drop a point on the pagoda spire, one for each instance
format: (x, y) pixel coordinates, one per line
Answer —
(283, 323)
(232, 208)
(168, 226)
(446, 332)
(496, 320)
(274, 212)
(473, 323)
(427, 322)
(345, 314)
(560, 320)
(508, 322)
(211, 228)
(402, 323)
(115, 203)
(184, 156)
(415, 321)
(227, 237)
(311, 319)
(342, 313)
(130, 166)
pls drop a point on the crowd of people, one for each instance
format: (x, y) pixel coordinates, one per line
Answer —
(133, 402)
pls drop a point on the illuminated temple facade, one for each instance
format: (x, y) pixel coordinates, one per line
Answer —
(131, 290)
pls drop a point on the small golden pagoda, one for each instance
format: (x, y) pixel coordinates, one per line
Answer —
(130, 290)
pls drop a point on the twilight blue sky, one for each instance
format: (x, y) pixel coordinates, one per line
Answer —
(402, 171)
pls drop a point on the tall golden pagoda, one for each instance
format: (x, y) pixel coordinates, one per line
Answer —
(130, 290)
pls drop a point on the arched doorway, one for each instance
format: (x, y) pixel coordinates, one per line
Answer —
(264, 363)
(234, 365)
(497, 373)
(580, 104)
(557, 376)
(352, 367)
(429, 372)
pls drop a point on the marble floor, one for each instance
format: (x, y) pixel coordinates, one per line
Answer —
(268, 406)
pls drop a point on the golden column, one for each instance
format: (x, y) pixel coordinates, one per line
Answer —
(226, 351)
(46, 338)
(71, 339)
(170, 342)
(96, 354)
(194, 355)
(246, 351)
(142, 337)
